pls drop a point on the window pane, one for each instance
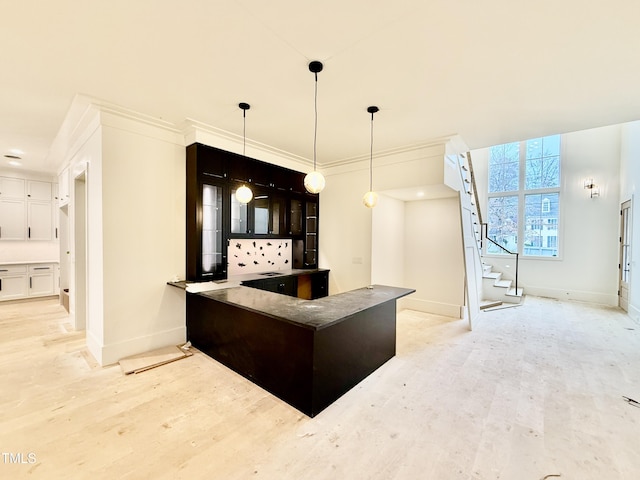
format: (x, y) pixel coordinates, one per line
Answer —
(543, 163)
(504, 167)
(503, 224)
(541, 225)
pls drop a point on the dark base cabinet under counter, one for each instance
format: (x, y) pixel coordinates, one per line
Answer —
(307, 284)
(306, 352)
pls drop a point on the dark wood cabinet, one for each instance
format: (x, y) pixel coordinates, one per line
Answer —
(320, 284)
(279, 209)
(309, 285)
(282, 284)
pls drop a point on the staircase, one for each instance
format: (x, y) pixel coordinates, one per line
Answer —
(493, 290)
(497, 290)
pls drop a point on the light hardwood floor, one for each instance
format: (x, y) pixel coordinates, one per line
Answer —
(533, 391)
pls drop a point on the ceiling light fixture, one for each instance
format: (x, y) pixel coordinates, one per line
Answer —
(244, 193)
(371, 198)
(314, 181)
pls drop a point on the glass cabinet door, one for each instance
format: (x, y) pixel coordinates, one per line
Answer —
(268, 215)
(261, 214)
(295, 217)
(239, 216)
(311, 235)
(212, 260)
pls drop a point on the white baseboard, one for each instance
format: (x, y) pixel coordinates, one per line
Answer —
(591, 297)
(445, 309)
(108, 354)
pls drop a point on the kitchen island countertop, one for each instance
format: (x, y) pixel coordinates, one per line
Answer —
(313, 314)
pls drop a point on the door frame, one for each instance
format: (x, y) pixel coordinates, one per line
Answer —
(624, 254)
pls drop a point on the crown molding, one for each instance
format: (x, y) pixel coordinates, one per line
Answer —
(196, 131)
(441, 142)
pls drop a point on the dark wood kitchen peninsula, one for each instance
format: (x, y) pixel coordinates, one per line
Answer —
(306, 352)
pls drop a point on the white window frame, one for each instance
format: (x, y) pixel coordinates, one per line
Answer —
(521, 193)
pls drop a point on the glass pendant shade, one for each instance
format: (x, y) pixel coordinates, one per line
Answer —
(314, 182)
(244, 194)
(370, 199)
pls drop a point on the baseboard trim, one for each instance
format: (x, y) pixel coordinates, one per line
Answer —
(426, 306)
(109, 354)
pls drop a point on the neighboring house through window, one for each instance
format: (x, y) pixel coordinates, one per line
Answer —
(524, 197)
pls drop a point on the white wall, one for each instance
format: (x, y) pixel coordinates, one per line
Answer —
(433, 256)
(387, 242)
(345, 231)
(346, 228)
(630, 182)
(143, 208)
(588, 265)
(415, 244)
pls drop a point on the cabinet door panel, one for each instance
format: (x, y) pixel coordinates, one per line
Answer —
(212, 259)
(239, 216)
(39, 190)
(13, 286)
(41, 284)
(12, 188)
(40, 220)
(261, 215)
(12, 220)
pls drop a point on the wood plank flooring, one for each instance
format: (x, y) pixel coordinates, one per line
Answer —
(533, 391)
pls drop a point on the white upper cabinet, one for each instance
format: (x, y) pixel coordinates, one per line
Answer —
(26, 209)
(41, 191)
(13, 220)
(40, 220)
(12, 188)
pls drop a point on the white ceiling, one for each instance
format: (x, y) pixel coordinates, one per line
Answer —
(489, 70)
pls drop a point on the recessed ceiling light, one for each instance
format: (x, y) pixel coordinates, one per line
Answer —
(14, 163)
(16, 151)
(420, 194)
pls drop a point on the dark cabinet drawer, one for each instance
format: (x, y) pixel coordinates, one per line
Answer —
(284, 285)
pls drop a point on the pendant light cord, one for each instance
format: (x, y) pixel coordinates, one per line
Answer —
(315, 125)
(244, 132)
(371, 158)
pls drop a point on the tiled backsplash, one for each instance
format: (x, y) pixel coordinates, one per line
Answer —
(247, 255)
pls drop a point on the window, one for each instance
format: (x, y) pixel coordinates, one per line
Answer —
(524, 197)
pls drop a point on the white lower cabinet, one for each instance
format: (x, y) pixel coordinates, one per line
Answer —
(40, 280)
(25, 281)
(13, 282)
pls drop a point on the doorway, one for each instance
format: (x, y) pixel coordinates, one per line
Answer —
(80, 250)
(625, 255)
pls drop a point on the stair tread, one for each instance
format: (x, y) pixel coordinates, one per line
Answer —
(491, 274)
(512, 292)
(503, 283)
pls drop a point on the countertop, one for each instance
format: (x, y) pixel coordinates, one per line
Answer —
(314, 314)
(29, 262)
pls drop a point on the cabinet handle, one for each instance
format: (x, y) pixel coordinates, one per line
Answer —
(30, 283)
(56, 232)
(41, 268)
(29, 232)
(0, 284)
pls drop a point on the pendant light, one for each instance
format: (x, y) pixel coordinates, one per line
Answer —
(244, 193)
(314, 181)
(371, 198)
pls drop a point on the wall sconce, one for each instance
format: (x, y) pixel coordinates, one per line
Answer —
(594, 189)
